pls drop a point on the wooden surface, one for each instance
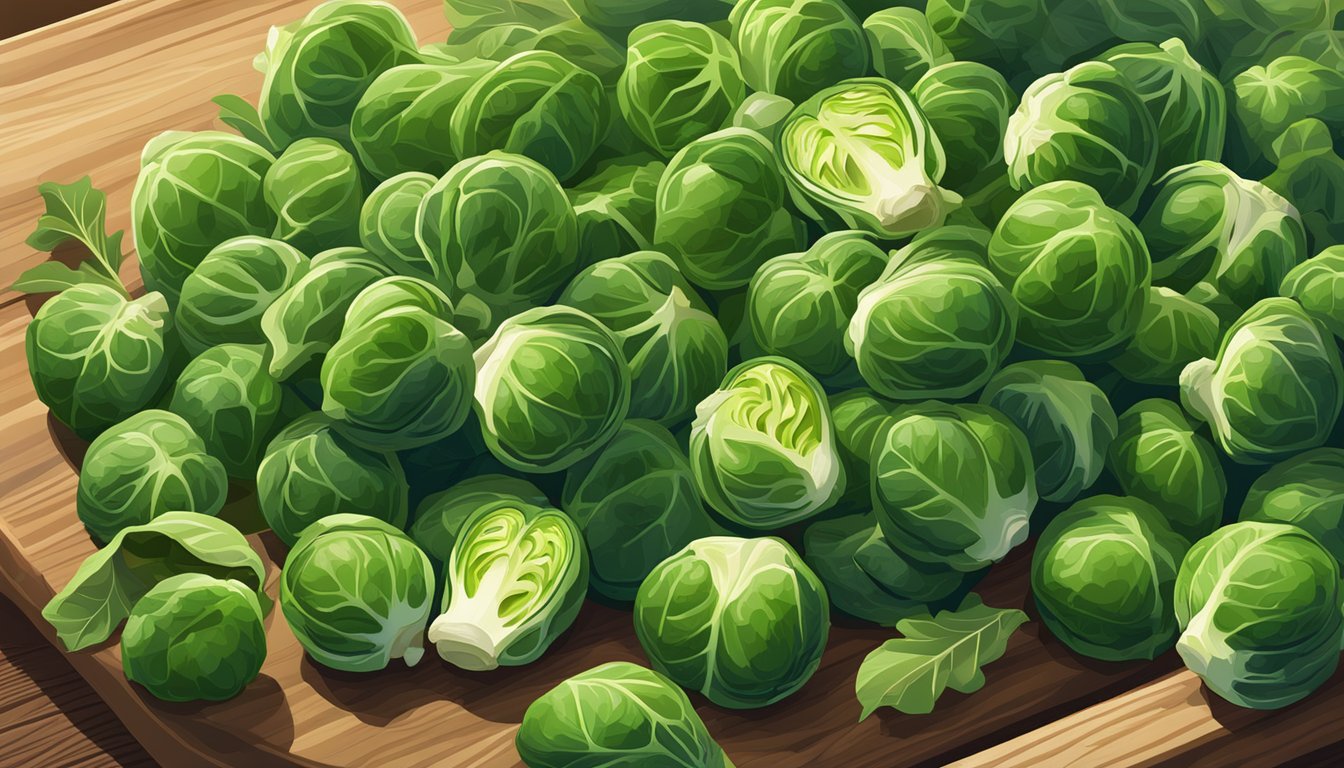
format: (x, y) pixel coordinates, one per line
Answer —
(82, 98)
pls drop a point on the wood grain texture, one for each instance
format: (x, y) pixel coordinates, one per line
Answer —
(82, 98)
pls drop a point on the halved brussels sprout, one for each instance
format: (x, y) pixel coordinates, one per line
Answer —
(500, 236)
(1079, 270)
(743, 621)
(1306, 491)
(96, 357)
(1208, 224)
(953, 485)
(614, 208)
(1157, 456)
(193, 193)
(1275, 388)
(194, 637)
(1259, 609)
(311, 472)
(794, 48)
(720, 209)
(398, 125)
(675, 348)
(387, 225)
(537, 104)
(1103, 574)
(224, 298)
(1318, 285)
(400, 376)
(439, 517)
(681, 81)
(1173, 332)
(636, 503)
(903, 45)
(357, 592)
(800, 304)
(515, 581)
(233, 403)
(763, 447)
(1086, 124)
(316, 192)
(1068, 422)
(861, 155)
(1185, 100)
(147, 465)
(552, 386)
(937, 323)
(967, 104)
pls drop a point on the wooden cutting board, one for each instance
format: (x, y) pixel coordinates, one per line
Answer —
(81, 98)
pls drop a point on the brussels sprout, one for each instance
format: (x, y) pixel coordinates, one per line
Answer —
(500, 236)
(800, 304)
(935, 324)
(552, 386)
(860, 418)
(440, 517)
(619, 715)
(860, 155)
(614, 208)
(194, 637)
(515, 582)
(318, 69)
(224, 298)
(1310, 175)
(743, 621)
(1275, 388)
(967, 105)
(1079, 270)
(1318, 285)
(590, 49)
(1173, 332)
(401, 375)
(675, 348)
(904, 46)
(763, 447)
(794, 48)
(1284, 91)
(763, 113)
(636, 503)
(1086, 124)
(720, 209)
(953, 485)
(491, 43)
(387, 225)
(1273, 15)
(1155, 21)
(1306, 491)
(1159, 458)
(627, 14)
(681, 81)
(1102, 576)
(537, 104)
(193, 195)
(1258, 606)
(316, 193)
(1185, 100)
(865, 577)
(356, 593)
(1068, 422)
(994, 33)
(311, 472)
(304, 321)
(398, 124)
(96, 358)
(147, 465)
(1208, 224)
(230, 400)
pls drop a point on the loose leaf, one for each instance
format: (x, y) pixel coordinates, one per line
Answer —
(112, 579)
(947, 651)
(74, 212)
(239, 114)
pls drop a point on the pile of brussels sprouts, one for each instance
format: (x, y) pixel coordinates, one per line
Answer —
(732, 313)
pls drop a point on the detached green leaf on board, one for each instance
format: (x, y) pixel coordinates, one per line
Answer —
(76, 212)
(909, 673)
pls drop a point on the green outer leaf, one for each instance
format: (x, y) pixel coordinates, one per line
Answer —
(111, 580)
(910, 673)
(75, 211)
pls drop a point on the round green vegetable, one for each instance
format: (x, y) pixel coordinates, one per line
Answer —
(794, 48)
(225, 297)
(439, 517)
(232, 402)
(903, 44)
(968, 105)
(387, 223)
(1306, 491)
(1174, 331)
(316, 192)
(1318, 285)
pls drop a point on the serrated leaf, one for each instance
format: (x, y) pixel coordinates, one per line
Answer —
(54, 277)
(947, 651)
(76, 212)
(239, 114)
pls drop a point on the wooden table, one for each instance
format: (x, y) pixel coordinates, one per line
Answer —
(82, 97)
